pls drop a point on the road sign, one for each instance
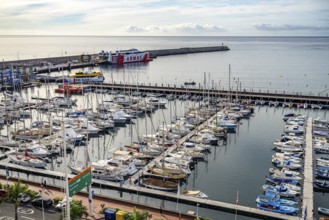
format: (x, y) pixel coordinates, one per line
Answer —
(80, 181)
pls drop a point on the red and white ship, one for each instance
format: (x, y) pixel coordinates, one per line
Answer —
(124, 56)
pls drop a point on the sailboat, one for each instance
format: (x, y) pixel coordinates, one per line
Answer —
(27, 160)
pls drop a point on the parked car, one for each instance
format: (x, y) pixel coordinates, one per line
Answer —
(62, 204)
(47, 202)
(24, 198)
(3, 193)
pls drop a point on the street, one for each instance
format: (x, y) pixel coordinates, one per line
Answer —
(27, 211)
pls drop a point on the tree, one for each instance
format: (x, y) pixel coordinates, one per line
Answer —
(14, 192)
(77, 210)
(137, 215)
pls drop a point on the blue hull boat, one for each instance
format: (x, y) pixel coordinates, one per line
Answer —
(321, 167)
(324, 174)
(321, 185)
(288, 210)
(264, 199)
(277, 181)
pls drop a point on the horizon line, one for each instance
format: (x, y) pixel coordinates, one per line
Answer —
(56, 35)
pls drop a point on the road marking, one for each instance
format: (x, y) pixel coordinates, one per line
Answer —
(6, 218)
(27, 217)
(23, 210)
(51, 211)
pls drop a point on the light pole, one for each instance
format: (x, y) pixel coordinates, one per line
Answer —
(197, 210)
(43, 210)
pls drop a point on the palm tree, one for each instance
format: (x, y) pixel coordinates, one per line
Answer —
(77, 210)
(14, 192)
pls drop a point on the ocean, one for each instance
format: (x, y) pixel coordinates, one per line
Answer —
(274, 64)
(282, 64)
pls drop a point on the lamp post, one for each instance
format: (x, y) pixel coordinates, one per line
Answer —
(197, 210)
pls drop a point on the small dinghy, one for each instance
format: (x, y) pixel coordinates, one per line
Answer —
(196, 193)
(321, 185)
(323, 211)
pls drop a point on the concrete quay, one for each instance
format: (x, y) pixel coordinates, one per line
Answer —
(40, 65)
(307, 202)
(186, 50)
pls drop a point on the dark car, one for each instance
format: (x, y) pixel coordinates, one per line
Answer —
(3, 193)
(38, 202)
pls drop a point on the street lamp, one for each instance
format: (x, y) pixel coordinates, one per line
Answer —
(197, 210)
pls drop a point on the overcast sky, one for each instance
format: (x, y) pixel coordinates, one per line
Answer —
(165, 17)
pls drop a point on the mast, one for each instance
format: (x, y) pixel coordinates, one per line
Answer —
(229, 82)
(65, 166)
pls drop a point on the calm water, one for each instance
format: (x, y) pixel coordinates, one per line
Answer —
(292, 64)
(240, 164)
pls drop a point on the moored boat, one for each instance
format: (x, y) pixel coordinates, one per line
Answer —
(158, 184)
(323, 211)
(321, 185)
(27, 160)
(288, 210)
(124, 56)
(68, 89)
(85, 77)
(195, 193)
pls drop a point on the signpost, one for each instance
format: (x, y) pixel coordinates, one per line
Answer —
(80, 181)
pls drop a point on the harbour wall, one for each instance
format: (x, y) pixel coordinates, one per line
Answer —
(89, 59)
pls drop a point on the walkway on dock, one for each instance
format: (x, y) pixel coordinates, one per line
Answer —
(199, 90)
(307, 205)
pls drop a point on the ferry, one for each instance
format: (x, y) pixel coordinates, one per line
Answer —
(123, 56)
(85, 77)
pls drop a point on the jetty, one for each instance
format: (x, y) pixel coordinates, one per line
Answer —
(307, 202)
(200, 90)
(51, 64)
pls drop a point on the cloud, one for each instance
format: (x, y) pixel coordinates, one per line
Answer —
(198, 28)
(162, 17)
(177, 28)
(288, 27)
(133, 28)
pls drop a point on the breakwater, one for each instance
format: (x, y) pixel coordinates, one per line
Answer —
(83, 60)
(166, 52)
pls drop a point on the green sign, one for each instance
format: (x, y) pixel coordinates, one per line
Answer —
(80, 181)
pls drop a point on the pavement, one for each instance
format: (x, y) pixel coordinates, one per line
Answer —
(97, 201)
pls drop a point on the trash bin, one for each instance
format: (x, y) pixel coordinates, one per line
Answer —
(120, 214)
(110, 214)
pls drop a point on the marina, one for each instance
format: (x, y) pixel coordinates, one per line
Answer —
(244, 140)
(127, 187)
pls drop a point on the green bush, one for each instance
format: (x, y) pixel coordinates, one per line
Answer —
(57, 199)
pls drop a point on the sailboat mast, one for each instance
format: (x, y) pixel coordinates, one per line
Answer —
(65, 166)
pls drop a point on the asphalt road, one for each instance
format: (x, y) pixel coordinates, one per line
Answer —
(27, 212)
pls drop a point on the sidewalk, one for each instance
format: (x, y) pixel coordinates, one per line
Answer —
(98, 200)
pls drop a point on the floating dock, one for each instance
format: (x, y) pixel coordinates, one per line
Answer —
(307, 205)
(254, 95)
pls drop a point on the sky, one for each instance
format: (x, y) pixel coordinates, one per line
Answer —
(165, 17)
